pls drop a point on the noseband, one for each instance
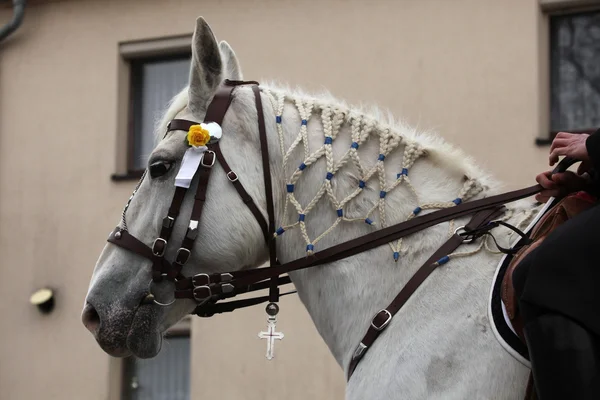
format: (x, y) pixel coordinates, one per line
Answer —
(208, 289)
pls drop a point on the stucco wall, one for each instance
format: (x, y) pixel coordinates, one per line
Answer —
(466, 68)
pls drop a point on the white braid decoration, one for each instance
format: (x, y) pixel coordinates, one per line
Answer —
(332, 118)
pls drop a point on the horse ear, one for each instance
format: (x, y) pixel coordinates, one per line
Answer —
(231, 67)
(206, 68)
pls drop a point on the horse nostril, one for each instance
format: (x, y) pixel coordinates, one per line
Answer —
(90, 318)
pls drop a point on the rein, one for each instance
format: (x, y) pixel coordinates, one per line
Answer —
(208, 289)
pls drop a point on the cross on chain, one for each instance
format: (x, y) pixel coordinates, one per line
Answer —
(271, 335)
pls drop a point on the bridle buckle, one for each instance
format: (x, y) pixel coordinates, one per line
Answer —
(232, 176)
(200, 280)
(159, 252)
(385, 323)
(213, 158)
(183, 255)
(202, 293)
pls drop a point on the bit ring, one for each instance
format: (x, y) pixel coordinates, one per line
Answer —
(156, 301)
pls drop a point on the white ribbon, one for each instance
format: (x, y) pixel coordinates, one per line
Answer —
(189, 166)
(193, 156)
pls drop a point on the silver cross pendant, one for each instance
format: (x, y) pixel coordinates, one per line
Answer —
(271, 335)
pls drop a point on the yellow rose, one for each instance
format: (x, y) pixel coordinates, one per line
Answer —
(198, 136)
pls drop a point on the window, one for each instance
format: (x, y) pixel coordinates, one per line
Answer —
(165, 377)
(150, 73)
(575, 72)
(154, 82)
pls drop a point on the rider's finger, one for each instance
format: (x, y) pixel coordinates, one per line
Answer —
(564, 178)
(545, 195)
(554, 154)
(545, 180)
(559, 143)
(563, 135)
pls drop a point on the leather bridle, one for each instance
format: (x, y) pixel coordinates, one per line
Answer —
(208, 289)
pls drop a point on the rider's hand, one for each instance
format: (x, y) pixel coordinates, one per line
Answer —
(569, 145)
(559, 184)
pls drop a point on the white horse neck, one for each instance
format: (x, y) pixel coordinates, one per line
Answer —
(416, 171)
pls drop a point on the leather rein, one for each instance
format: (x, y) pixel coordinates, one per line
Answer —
(208, 289)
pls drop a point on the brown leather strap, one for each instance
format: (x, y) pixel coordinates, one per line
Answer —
(264, 147)
(185, 251)
(220, 103)
(382, 319)
(369, 241)
(124, 239)
(246, 198)
(180, 125)
(168, 223)
(383, 236)
(210, 309)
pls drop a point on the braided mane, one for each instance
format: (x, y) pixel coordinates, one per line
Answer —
(336, 119)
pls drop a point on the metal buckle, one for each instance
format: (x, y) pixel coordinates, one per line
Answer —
(465, 233)
(231, 178)
(196, 280)
(159, 253)
(204, 279)
(187, 256)
(168, 222)
(201, 288)
(207, 152)
(385, 323)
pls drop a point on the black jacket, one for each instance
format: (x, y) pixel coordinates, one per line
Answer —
(592, 145)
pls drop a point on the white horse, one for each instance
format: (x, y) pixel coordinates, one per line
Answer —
(439, 346)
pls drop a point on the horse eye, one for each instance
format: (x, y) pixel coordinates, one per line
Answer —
(159, 168)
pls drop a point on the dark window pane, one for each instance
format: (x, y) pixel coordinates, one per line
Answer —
(154, 84)
(575, 71)
(165, 377)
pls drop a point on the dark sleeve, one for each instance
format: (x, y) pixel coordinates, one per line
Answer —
(592, 145)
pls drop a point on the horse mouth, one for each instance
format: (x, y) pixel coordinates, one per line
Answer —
(130, 332)
(144, 338)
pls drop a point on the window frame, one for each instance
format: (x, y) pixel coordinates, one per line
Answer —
(132, 57)
(552, 68)
(548, 10)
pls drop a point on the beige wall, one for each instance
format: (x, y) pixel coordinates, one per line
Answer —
(469, 69)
